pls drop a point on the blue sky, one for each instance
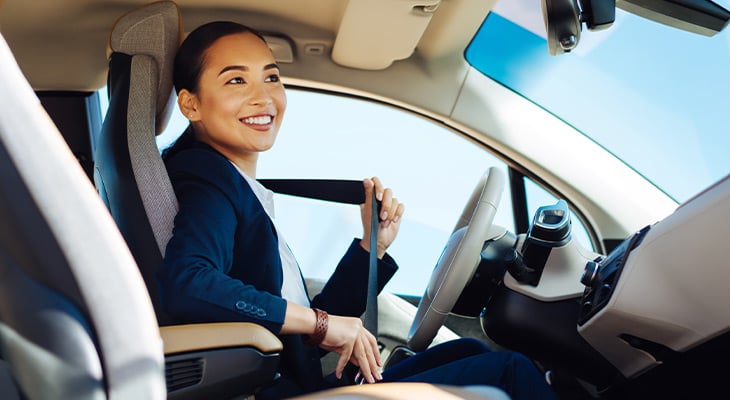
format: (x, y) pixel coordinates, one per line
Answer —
(655, 96)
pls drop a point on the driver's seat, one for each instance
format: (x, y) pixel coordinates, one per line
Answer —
(128, 170)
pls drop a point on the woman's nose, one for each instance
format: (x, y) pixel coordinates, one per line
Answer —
(260, 95)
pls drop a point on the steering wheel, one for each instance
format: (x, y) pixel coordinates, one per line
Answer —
(458, 260)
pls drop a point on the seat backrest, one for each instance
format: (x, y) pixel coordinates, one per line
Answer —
(75, 319)
(129, 173)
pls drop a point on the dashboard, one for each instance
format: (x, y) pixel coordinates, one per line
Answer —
(650, 314)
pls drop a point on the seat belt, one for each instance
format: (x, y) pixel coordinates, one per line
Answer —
(348, 192)
(370, 319)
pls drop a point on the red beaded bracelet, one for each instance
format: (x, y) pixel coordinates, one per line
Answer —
(320, 328)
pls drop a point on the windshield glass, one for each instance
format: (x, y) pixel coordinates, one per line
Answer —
(655, 96)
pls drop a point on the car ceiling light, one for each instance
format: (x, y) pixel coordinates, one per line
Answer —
(281, 48)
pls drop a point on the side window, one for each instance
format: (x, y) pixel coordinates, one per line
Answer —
(431, 169)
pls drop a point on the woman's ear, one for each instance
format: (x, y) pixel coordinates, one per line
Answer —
(188, 104)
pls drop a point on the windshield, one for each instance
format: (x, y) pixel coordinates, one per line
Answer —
(655, 96)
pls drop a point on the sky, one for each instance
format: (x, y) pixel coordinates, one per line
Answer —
(655, 96)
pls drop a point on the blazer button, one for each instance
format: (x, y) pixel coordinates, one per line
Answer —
(241, 305)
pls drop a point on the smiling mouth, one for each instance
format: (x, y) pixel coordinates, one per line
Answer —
(259, 120)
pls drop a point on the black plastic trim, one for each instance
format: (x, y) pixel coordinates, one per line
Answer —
(519, 200)
(224, 373)
(546, 331)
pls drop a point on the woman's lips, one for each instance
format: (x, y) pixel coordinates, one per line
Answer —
(258, 122)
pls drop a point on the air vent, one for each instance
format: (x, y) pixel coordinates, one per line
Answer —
(600, 277)
(183, 373)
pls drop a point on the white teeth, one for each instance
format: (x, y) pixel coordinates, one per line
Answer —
(258, 120)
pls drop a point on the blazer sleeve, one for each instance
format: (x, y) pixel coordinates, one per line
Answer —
(193, 280)
(345, 293)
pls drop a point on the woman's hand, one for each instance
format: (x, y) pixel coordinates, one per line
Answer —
(390, 215)
(347, 337)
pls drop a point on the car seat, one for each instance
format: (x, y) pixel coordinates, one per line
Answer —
(75, 318)
(202, 360)
(128, 172)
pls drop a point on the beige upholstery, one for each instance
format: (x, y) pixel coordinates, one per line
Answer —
(196, 337)
(408, 391)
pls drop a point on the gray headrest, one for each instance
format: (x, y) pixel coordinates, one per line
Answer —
(155, 30)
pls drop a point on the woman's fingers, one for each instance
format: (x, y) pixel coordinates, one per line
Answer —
(367, 356)
(373, 357)
(399, 212)
(391, 211)
(375, 349)
(378, 188)
(342, 363)
(386, 205)
(385, 196)
(363, 360)
(353, 343)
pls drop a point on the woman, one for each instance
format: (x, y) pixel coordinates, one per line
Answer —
(227, 261)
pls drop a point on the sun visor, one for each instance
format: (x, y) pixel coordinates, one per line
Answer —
(374, 33)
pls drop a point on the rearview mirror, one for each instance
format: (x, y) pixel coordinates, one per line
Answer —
(564, 18)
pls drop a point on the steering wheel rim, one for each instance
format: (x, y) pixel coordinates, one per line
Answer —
(458, 261)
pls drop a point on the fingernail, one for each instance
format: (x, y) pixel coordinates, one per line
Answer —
(379, 196)
(384, 215)
(386, 224)
(396, 218)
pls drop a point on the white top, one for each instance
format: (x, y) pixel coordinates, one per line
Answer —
(292, 287)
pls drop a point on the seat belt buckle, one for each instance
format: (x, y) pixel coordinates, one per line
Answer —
(359, 378)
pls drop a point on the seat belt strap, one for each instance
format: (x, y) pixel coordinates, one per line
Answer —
(370, 320)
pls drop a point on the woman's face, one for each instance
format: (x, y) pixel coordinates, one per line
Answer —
(240, 101)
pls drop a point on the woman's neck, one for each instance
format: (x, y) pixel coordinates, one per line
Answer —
(245, 161)
(245, 164)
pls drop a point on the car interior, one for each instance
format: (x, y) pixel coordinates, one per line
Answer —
(87, 332)
(86, 218)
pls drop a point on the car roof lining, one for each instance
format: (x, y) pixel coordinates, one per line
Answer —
(38, 37)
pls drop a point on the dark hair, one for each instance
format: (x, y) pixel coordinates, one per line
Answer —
(189, 63)
(190, 57)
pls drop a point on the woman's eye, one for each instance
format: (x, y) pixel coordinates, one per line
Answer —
(272, 78)
(237, 81)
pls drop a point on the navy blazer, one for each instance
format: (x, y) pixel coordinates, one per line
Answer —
(223, 264)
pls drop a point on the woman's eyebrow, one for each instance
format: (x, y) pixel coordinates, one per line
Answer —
(233, 68)
(245, 68)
